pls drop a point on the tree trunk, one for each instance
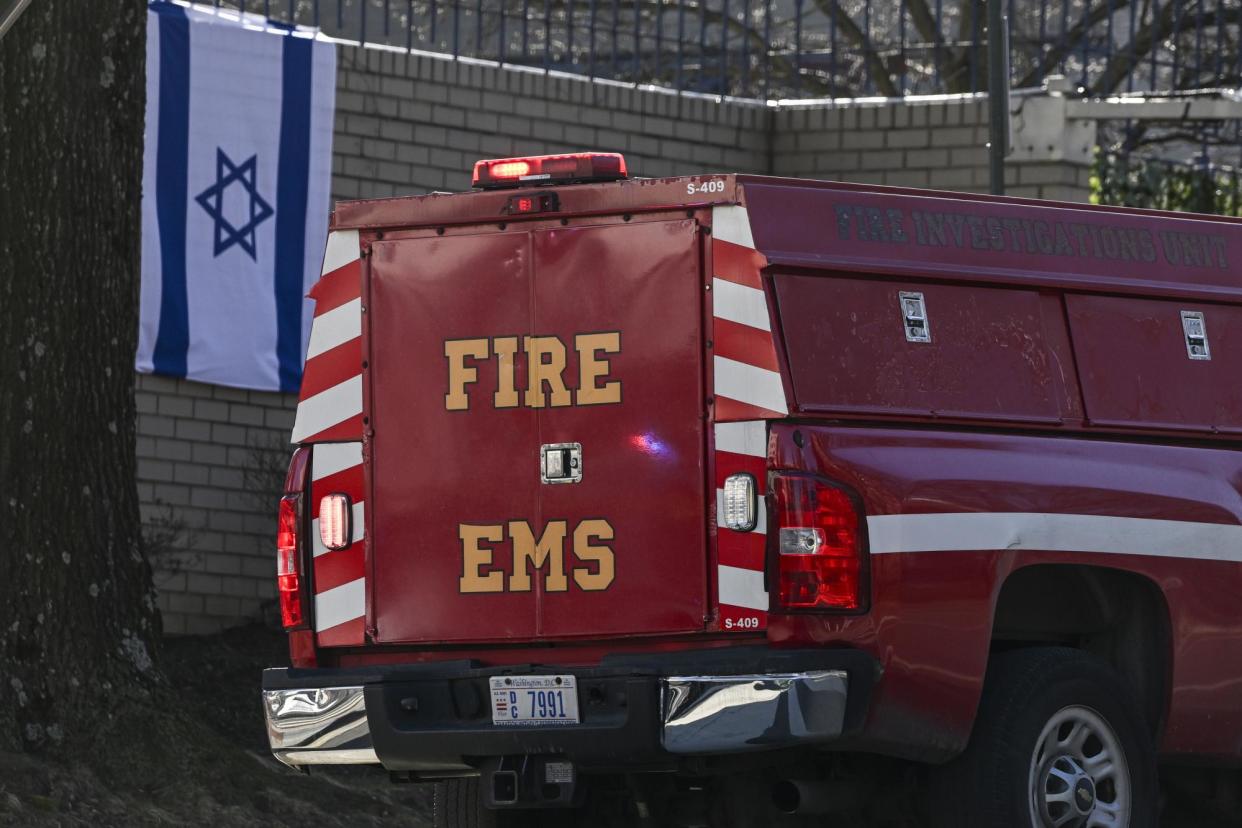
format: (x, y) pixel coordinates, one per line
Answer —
(77, 617)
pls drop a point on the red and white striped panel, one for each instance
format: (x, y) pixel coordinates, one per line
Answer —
(330, 409)
(330, 403)
(747, 376)
(741, 447)
(339, 576)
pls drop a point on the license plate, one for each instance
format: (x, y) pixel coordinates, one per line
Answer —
(534, 700)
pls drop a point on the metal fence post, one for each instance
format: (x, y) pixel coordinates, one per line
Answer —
(998, 95)
(10, 10)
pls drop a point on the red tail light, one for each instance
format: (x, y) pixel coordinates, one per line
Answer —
(290, 586)
(288, 568)
(547, 169)
(821, 560)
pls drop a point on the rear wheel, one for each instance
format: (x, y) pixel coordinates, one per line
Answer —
(457, 803)
(1058, 743)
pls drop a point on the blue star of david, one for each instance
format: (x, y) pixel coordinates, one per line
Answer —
(212, 200)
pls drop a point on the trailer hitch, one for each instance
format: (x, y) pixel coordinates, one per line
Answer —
(529, 782)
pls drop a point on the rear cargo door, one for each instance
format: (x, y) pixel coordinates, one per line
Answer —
(498, 360)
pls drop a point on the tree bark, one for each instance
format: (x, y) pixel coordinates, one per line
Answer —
(78, 620)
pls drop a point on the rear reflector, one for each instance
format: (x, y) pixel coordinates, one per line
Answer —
(334, 520)
(821, 559)
(290, 587)
(549, 169)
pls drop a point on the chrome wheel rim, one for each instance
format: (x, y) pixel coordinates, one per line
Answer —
(1079, 777)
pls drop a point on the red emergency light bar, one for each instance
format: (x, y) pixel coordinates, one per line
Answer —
(575, 168)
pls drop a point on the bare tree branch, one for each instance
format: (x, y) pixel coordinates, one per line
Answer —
(879, 72)
(1073, 40)
(650, 10)
(928, 28)
(1147, 38)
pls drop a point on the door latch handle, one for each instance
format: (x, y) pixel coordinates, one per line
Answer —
(560, 462)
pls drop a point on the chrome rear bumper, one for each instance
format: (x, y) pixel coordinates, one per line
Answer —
(319, 726)
(700, 714)
(730, 714)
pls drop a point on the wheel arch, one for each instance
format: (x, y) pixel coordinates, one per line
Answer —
(1116, 615)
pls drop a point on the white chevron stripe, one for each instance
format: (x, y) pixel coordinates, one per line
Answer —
(741, 304)
(327, 408)
(749, 438)
(344, 603)
(741, 588)
(336, 327)
(749, 384)
(343, 248)
(730, 223)
(331, 458)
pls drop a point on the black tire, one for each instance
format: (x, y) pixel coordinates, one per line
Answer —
(456, 803)
(992, 783)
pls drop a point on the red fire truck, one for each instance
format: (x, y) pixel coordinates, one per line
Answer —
(732, 500)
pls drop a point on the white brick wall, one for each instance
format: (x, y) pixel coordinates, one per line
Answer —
(941, 144)
(199, 449)
(415, 124)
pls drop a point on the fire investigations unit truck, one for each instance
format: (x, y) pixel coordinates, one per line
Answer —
(758, 484)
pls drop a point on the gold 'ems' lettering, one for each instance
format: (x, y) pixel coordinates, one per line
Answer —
(602, 555)
(591, 368)
(461, 374)
(539, 371)
(476, 557)
(550, 551)
(593, 565)
(505, 348)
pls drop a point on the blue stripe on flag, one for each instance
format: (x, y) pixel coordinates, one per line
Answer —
(172, 339)
(291, 186)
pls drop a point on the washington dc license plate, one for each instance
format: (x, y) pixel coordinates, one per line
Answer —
(534, 700)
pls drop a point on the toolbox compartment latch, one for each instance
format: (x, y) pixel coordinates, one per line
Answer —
(914, 316)
(560, 462)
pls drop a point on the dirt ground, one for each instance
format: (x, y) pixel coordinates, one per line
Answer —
(208, 764)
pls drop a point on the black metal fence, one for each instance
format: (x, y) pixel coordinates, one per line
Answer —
(772, 49)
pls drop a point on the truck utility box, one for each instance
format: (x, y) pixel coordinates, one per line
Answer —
(601, 475)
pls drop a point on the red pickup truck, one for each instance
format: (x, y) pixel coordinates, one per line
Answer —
(717, 499)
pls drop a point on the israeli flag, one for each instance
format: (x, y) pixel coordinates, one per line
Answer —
(236, 177)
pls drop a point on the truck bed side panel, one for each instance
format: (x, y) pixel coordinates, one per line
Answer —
(952, 515)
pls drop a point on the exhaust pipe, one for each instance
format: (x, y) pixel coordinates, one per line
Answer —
(802, 796)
